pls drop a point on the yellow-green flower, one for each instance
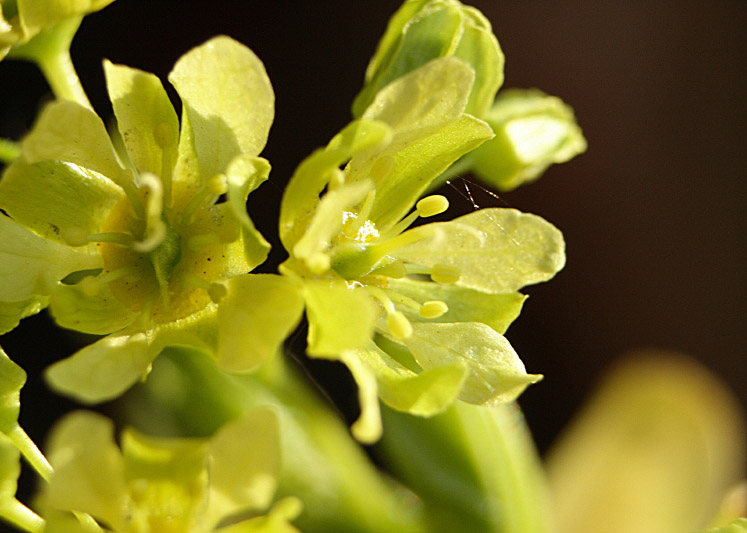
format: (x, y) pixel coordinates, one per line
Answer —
(133, 243)
(158, 485)
(437, 297)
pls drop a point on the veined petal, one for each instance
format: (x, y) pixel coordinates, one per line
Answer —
(301, 196)
(367, 429)
(496, 374)
(52, 197)
(31, 265)
(254, 318)
(12, 380)
(243, 465)
(229, 100)
(66, 131)
(90, 307)
(340, 318)
(88, 469)
(35, 15)
(10, 468)
(11, 313)
(465, 305)
(495, 250)
(145, 117)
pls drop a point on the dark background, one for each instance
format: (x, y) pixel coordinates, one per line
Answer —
(653, 213)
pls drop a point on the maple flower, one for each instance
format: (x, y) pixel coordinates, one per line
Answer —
(132, 242)
(416, 314)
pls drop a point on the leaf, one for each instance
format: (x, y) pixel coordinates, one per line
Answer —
(66, 131)
(496, 374)
(340, 318)
(229, 100)
(11, 313)
(145, 117)
(88, 469)
(12, 380)
(495, 250)
(31, 266)
(254, 318)
(51, 197)
(89, 307)
(465, 305)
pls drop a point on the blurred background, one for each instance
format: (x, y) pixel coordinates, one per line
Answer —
(653, 213)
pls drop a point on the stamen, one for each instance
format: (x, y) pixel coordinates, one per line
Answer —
(75, 236)
(336, 179)
(433, 309)
(155, 228)
(432, 205)
(213, 188)
(396, 269)
(354, 227)
(118, 273)
(161, 135)
(318, 263)
(135, 202)
(125, 239)
(217, 291)
(399, 325)
(445, 274)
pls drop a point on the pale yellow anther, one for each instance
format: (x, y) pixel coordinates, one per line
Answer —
(89, 285)
(336, 179)
(217, 291)
(217, 185)
(432, 205)
(399, 325)
(75, 236)
(444, 274)
(433, 309)
(381, 168)
(318, 263)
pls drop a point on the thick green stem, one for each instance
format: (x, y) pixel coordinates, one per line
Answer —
(29, 450)
(9, 151)
(21, 516)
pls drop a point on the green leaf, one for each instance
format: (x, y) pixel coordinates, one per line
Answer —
(11, 313)
(301, 196)
(229, 100)
(31, 266)
(496, 374)
(532, 131)
(495, 250)
(254, 318)
(145, 117)
(12, 380)
(465, 305)
(340, 318)
(52, 197)
(425, 109)
(243, 464)
(88, 469)
(66, 131)
(35, 15)
(90, 307)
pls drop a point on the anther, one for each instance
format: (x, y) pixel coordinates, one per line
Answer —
(444, 274)
(318, 263)
(336, 179)
(118, 273)
(399, 325)
(433, 309)
(75, 236)
(90, 286)
(432, 205)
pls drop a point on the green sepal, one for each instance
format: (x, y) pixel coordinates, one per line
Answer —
(495, 250)
(89, 307)
(51, 197)
(11, 313)
(66, 131)
(145, 118)
(229, 101)
(254, 318)
(496, 374)
(532, 131)
(465, 305)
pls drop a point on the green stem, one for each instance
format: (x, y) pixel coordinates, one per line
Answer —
(19, 515)
(29, 450)
(9, 151)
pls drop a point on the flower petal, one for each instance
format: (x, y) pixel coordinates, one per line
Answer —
(31, 266)
(89, 308)
(254, 318)
(496, 374)
(145, 117)
(12, 380)
(11, 313)
(367, 428)
(36, 15)
(495, 250)
(229, 100)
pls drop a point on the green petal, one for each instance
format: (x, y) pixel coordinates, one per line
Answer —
(532, 131)
(90, 308)
(11, 313)
(340, 318)
(51, 197)
(254, 318)
(425, 394)
(367, 428)
(31, 266)
(145, 117)
(88, 469)
(244, 463)
(229, 100)
(495, 250)
(496, 374)
(244, 175)
(66, 131)
(465, 305)
(12, 380)
(35, 15)
(105, 369)
(10, 468)
(301, 196)
(425, 109)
